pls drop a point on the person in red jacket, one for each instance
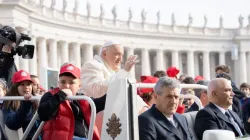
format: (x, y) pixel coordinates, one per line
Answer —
(67, 120)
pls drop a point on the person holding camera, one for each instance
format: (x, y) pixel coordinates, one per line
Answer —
(9, 46)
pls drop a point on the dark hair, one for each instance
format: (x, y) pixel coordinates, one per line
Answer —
(188, 80)
(147, 97)
(13, 91)
(224, 75)
(224, 68)
(67, 74)
(159, 74)
(244, 85)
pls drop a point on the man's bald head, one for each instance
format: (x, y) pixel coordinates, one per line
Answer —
(220, 92)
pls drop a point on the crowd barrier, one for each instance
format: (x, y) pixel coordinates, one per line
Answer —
(35, 117)
(93, 108)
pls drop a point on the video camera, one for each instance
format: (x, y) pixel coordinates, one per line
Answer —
(9, 46)
(9, 37)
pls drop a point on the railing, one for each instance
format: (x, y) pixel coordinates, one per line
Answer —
(193, 86)
(35, 117)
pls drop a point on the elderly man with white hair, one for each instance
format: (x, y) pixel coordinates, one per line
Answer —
(97, 74)
(216, 114)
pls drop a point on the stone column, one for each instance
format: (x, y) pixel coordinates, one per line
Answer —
(206, 65)
(64, 52)
(181, 68)
(130, 51)
(165, 61)
(53, 53)
(175, 58)
(87, 53)
(76, 52)
(222, 60)
(33, 61)
(212, 63)
(190, 65)
(248, 68)
(145, 65)
(159, 60)
(243, 67)
(42, 54)
(196, 64)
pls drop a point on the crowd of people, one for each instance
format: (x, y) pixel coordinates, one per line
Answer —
(159, 109)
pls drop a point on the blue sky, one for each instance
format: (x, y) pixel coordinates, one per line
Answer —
(229, 9)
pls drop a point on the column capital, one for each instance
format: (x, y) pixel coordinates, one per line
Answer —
(206, 51)
(190, 51)
(222, 52)
(51, 40)
(145, 49)
(242, 51)
(87, 44)
(75, 43)
(174, 50)
(160, 49)
(41, 38)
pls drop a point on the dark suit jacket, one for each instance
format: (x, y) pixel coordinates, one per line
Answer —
(211, 117)
(153, 125)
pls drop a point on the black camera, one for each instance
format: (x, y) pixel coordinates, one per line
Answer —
(9, 46)
(9, 37)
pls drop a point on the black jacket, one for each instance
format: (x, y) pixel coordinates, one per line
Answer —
(153, 125)
(211, 117)
(7, 68)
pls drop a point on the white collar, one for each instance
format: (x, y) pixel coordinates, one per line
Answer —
(99, 58)
(221, 109)
(170, 118)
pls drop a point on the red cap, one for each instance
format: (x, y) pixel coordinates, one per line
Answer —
(148, 79)
(172, 72)
(20, 76)
(143, 78)
(70, 68)
(198, 78)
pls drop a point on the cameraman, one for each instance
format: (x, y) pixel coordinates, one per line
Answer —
(9, 46)
(7, 65)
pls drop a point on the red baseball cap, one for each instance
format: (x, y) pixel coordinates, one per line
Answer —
(172, 72)
(72, 69)
(148, 79)
(20, 76)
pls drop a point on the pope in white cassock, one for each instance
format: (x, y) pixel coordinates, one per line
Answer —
(97, 74)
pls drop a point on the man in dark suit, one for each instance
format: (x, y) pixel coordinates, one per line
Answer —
(161, 122)
(216, 114)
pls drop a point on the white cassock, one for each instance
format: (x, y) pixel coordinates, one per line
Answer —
(96, 76)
